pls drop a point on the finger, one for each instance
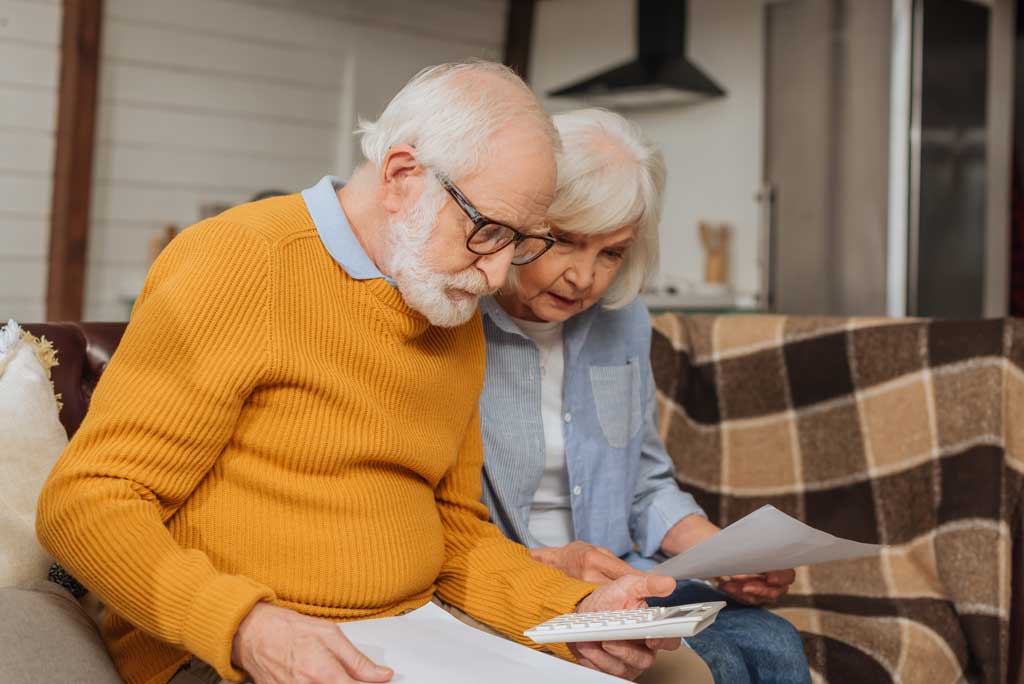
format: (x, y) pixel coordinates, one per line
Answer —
(764, 591)
(613, 568)
(780, 578)
(356, 663)
(737, 593)
(731, 588)
(756, 595)
(634, 654)
(759, 595)
(747, 599)
(666, 644)
(773, 595)
(595, 652)
(755, 588)
(655, 585)
(607, 552)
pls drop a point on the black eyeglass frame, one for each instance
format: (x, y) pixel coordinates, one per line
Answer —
(480, 222)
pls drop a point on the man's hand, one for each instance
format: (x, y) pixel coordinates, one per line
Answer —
(626, 659)
(279, 646)
(583, 561)
(758, 590)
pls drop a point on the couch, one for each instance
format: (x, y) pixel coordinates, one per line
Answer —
(908, 433)
(903, 432)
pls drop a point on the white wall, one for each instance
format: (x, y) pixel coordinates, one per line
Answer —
(214, 100)
(29, 63)
(201, 101)
(713, 150)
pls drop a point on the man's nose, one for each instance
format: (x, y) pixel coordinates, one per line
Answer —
(495, 267)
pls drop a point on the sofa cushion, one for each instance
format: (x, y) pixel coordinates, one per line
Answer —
(46, 636)
(31, 439)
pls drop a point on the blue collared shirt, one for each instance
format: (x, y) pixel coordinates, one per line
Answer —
(621, 480)
(335, 231)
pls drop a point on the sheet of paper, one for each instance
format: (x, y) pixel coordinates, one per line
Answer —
(429, 646)
(767, 539)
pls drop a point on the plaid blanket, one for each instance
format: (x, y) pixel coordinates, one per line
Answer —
(908, 433)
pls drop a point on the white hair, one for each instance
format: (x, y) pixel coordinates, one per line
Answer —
(450, 114)
(610, 176)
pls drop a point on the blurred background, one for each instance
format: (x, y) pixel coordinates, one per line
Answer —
(824, 156)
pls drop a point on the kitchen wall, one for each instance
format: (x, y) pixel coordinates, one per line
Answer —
(713, 149)
(202, 102)
(211, 101)
(29, 63)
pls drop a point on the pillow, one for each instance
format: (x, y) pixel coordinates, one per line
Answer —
(45, 636)
(31, 439)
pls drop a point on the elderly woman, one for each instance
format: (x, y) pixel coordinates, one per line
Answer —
(574, 467)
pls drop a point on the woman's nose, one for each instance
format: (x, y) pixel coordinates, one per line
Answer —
(581, 274)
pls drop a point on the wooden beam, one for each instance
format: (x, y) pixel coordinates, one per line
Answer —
(72, 174)
(519, 36)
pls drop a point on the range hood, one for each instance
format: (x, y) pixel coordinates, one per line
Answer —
(661, 74)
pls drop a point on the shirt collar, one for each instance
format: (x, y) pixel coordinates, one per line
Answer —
(574, 333)
(489, 308)
(335, 231)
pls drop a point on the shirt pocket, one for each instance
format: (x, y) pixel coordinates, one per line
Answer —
(617, 398)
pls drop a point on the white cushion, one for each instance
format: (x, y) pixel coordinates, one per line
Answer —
(31, 439)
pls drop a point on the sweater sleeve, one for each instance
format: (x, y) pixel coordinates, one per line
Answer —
(486, 575)
(197, 346)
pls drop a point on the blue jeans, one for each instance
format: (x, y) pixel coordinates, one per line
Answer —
(746, 644)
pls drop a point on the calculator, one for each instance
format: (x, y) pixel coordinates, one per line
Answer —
(616, 625)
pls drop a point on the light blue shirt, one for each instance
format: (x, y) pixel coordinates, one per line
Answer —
(621, 480)
(335, 231)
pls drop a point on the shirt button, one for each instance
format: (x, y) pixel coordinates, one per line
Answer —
(577, 490)
(568, 417)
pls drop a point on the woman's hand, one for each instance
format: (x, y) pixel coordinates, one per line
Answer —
(754, 590)
(584, 561)
(761, 589)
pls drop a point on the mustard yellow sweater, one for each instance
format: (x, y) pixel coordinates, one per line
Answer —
(271, 429)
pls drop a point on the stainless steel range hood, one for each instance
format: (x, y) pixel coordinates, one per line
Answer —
(660, 75)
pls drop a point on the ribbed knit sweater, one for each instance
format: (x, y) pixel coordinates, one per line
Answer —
(271, 429)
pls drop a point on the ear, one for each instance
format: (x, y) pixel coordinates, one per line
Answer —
(401, 178)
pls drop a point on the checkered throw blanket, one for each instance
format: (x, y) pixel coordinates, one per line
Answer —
(908, 433)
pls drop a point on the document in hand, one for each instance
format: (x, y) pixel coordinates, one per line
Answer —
(767, 539)
(429, 646)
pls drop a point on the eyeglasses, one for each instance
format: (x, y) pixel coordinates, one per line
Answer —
(490, 237)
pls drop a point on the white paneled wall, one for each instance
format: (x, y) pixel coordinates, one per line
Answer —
(211, 101)
(202, 101)
(29, 63)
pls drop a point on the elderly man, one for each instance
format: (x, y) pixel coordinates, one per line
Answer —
(288, 434)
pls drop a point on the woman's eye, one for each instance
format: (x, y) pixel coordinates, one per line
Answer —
(613, 255)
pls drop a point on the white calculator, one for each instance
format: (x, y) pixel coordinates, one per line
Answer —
(616, 625)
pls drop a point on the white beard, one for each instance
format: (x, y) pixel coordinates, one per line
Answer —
(423, 288)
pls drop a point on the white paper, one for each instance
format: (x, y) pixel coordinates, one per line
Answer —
(429, 646)
(767, 539)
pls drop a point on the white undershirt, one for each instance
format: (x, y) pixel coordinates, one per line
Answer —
(551, 512)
